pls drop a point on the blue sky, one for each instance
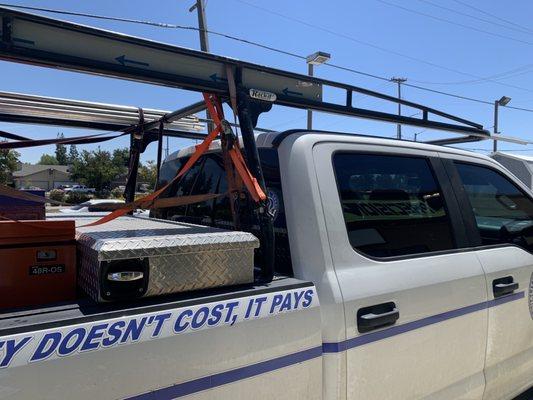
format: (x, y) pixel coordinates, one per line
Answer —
(413, 41)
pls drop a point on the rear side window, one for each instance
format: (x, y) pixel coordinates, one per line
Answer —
(503, 213)
(208, 176)
(392, 205)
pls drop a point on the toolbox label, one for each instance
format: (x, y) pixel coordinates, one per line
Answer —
(47, 269)
(76, 340)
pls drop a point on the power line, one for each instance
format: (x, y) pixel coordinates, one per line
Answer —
(347, 37)
(280, 51)
(524, 69)
(494, 16)
(472, 28)
(475, 17)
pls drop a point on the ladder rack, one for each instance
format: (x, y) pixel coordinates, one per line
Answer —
(38, 40)
(253, 89)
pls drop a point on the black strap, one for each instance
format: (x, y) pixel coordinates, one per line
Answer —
(159, 151)
(12, 136)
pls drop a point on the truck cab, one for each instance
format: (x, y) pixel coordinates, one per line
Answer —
(421, 255)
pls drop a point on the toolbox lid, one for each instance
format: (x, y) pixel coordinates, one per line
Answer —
(130, 237)
(36, 231)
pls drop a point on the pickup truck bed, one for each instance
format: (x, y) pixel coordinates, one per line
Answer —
(186, 344)
(86, 310)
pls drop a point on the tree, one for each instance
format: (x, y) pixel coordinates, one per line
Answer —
(61, 151)
(97, 169)
(73, 154)
(148, 173)
(47, 159)
(121, 158)
(9, 161)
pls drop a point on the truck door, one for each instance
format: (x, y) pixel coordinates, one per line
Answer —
(415, 303)
(500, 211)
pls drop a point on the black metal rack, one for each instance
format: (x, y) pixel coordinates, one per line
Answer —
(38, 40)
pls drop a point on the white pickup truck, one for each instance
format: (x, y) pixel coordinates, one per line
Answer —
(403, 271)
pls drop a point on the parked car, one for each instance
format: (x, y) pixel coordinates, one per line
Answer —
(90, 205)
(81, 189)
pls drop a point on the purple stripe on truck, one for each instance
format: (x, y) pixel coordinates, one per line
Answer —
(410, 326)
(234, 375)
(209, 382)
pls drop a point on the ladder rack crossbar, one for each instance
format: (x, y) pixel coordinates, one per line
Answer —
(36, 40)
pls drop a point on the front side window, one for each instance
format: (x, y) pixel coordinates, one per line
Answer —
(392, 205)
(503, 213)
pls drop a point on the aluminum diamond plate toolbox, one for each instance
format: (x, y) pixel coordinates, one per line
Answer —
(135, 257)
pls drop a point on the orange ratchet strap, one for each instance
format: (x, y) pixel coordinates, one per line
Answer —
(215, 110)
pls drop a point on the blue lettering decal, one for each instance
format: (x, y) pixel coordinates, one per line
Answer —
(134, 329)
(259, 301)
(297, 297)
(286, 305)
(216, 315)
(114, 333)
(249, 309)
(160, 319)
(199, 317)
(66, 348)
(13, 348)
(230, 307)
(308, 298)
(276, 301)
(96, 332)
(47, 346)
(178, 326)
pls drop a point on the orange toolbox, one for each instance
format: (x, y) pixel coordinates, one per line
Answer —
(37, 263)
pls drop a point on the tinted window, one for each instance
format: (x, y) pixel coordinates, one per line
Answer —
(504, 214)
(208, 176)
(392, 205)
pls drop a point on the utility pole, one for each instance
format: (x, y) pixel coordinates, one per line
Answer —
(204, 40)
(399, 81)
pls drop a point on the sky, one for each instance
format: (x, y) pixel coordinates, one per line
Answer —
(472, 48)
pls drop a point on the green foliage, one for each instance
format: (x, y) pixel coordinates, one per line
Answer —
(61, 152)
(9, 160)
(73, 154)
(57, 195)
(47, 159)
(76, 197)
(148, 174)
(117, 193)
(121, 158)
(98, 168)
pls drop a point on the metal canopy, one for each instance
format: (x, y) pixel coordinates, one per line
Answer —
(43, 41)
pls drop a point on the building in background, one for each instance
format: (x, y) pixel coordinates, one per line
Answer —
(521, 166)
(46, 177)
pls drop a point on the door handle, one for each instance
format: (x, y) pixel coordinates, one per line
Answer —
(378, 316)
(504, 286)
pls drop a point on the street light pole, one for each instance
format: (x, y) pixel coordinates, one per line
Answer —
(310, 70)
(399, 81)
(495, 142)
(317, 58)
(502, 102)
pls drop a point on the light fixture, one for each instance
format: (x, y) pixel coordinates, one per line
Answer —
(504, 101)
(318, 58)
